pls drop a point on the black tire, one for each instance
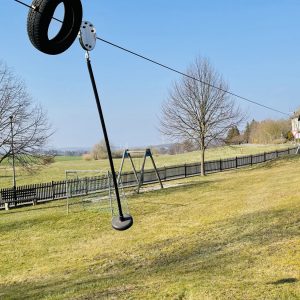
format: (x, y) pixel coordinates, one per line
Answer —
(39, 20)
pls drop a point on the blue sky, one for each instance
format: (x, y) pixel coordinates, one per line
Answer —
(255, 44)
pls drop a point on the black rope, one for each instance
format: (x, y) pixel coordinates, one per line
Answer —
(174, 70)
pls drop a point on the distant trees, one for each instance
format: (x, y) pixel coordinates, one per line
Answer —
(269, 131)
(177, 148)
(197, 112)
(30, 126)
(99, 151)
(263, 132)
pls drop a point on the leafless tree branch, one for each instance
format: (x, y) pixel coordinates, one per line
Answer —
(31, 129)
(197, 112)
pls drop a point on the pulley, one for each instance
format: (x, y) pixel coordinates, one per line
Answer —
(87, 36)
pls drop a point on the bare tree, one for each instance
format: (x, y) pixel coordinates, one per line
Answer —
(199, 112)
(30, 129)
(99, 151)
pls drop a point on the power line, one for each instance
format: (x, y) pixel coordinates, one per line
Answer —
(172, 69)
(188, 76)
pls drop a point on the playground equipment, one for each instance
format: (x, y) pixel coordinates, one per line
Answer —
(40, 15)
(139, 178)
(83, 184)
(93, 186)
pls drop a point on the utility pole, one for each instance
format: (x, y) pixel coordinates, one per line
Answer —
(12, 151)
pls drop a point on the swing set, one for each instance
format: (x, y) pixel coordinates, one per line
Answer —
(139, 176)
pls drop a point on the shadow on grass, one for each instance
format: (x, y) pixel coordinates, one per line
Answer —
(284, 281)
(181, 187)
(30, 207)
(230, 248)
(18, 225)
(236, 244)
(274, 162)
(97, 287)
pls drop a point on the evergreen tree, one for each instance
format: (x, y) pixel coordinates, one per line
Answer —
(233, 133)
(247, 133)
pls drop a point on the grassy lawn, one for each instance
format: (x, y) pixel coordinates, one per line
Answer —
(56, 171)
(231, 235)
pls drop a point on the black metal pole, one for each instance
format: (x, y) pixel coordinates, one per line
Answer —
(112, 168)
(13, 157)
(12, 150)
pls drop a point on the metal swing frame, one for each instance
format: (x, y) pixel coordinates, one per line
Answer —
(139, 179)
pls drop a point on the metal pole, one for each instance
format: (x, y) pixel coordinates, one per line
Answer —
(156, 171)
(13, 157)
(112, 168)
(12, 150)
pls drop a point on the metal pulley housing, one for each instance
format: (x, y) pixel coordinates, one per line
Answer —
(87, 36)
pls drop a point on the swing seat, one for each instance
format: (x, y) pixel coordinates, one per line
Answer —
(121, 224)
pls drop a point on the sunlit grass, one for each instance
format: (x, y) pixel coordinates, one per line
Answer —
(233, 235)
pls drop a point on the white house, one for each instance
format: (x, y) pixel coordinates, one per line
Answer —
(296, 126)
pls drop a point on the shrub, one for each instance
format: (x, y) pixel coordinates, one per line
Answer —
(47, 160)
(87, 156)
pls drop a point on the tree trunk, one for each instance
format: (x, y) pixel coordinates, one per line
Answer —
(202, 162)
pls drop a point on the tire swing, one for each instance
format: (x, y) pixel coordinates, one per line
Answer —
(39, 19)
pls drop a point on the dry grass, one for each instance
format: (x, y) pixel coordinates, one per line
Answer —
(232, 235)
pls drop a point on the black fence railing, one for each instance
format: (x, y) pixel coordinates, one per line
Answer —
(44, 192)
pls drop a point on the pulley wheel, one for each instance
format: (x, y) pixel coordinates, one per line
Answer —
(39, 20)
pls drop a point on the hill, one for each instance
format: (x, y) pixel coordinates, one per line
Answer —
(232, 235)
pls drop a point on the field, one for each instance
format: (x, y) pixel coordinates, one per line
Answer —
(56, 171)
(231, 235)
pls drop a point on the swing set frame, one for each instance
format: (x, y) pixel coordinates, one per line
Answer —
(139, 179)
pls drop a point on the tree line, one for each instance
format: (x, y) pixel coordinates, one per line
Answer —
(261, 132)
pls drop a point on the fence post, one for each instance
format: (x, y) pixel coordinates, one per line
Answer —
(265, 158)
(251, 159)
(220, 165)
(276, 153)
(236, 161)
(53, 192)
(184, 170)
(34, 201)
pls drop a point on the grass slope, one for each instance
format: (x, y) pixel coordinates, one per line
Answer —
(56, 171)
(232, 235)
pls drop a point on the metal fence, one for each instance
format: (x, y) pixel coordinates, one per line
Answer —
(44, 192)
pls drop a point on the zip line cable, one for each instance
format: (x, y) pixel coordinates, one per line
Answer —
(172, 69)
(191, 77)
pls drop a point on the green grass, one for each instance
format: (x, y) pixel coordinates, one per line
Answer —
(231, 235)
(56, 171)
